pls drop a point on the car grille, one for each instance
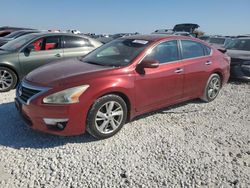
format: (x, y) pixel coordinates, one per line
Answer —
(25, 93)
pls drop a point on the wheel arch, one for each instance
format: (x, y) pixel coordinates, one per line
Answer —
(13, 69)
(124, 97)
(219, 72)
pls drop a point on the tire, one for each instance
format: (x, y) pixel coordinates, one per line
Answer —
(8, 79)
(212, 88)
(107, 116)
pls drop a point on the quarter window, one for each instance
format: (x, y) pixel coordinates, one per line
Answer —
(75, 42)
(207, 50)
(164, 52)
(191, 49)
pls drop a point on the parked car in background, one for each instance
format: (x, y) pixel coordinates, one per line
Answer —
(219, 42)
(118, 81)
(13, 28)
(163, 31)
(74, 31)
(186, 27)
(205, 38)
(239, 51)
(22, 55)
(171, 32)
(118, 35)
(6, 30)
(15, 34)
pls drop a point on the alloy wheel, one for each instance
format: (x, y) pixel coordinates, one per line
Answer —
(109, 117)
(6, 80)
(214, 87)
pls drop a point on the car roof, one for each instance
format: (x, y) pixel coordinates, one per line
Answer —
(45, 34)
(157, 37)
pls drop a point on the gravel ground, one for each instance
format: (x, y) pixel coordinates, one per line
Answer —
(193, 144)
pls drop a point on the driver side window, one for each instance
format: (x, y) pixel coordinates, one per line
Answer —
(47, 43)
(164, 52)
(37, 45)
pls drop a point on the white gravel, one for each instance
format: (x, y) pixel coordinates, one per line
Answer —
(194, 144)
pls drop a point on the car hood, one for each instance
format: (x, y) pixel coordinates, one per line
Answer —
(62, 72)
(239, 54)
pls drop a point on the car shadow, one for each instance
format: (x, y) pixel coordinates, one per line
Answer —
(15, 133)
(172, 109)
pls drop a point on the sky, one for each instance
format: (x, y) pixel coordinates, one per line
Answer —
(225, 17)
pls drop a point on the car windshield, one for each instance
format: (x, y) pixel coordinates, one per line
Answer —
(119, 52)
(13, 34)
(16, 44)
(217, 40)
(239, 44)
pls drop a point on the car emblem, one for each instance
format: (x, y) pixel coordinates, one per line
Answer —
(20, 92)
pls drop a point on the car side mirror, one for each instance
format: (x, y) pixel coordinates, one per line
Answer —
(28, 49)
(222, 50)
(146, 64)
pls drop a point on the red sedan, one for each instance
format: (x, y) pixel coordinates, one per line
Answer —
(122, 79)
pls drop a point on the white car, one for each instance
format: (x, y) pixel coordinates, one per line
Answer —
(74, 31)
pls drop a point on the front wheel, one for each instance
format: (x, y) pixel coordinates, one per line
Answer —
(8, 79)
(212, 88)
(107, 116)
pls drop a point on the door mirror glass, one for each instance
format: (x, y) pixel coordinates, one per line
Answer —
(27, 50)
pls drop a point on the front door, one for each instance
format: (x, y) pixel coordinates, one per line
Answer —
(40, 52)
(163, 85)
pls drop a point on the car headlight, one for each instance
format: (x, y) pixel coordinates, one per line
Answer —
(67, 96)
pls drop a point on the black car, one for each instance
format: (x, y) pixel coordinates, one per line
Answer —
(14, 35)
(239, 51)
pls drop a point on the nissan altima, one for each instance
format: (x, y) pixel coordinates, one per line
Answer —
(118, 81)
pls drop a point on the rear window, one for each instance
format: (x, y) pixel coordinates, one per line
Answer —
(75, 42)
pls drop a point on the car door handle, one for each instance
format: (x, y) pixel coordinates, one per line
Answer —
(58, 55)
(208, 63)
(178, 70)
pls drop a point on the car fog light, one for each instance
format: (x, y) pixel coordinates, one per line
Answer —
(52, 121)
(59, 124)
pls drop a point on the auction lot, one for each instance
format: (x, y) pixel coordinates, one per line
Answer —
(188, 145)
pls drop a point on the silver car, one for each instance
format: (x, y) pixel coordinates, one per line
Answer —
(22, 55)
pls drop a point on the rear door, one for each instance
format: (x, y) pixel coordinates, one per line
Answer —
(197, 63)
(40, 52)
(76, 46)
(162, 85)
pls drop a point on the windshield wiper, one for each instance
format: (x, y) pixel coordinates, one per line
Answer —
(94, 63)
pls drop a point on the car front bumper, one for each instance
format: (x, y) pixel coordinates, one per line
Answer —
(49, 118)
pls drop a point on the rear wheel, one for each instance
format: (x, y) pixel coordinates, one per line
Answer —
(8, 79)
(212, 88)
(107, 116)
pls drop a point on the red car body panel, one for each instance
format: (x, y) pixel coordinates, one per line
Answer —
(157, 88)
